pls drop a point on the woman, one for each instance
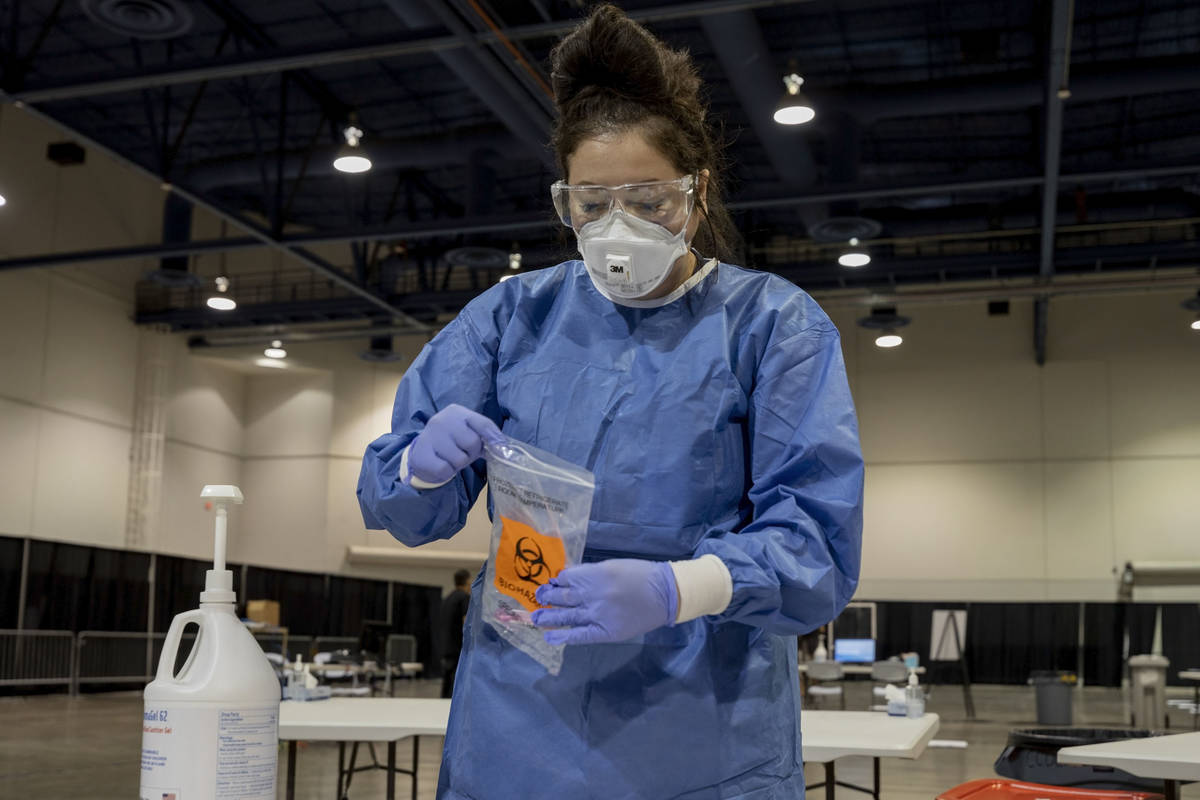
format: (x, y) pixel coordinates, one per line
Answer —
(711, 403)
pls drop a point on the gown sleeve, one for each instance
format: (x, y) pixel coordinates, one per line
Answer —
(796, 564)
(457, 366)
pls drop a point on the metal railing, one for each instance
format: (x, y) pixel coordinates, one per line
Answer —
(401, 647)
(36, 658)
(47, 658)
(117, 657)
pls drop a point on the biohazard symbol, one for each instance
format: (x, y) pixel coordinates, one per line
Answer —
(529, 564)
(526, 559)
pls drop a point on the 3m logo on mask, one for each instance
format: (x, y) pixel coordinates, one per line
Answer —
(526, 559)
(617, 269)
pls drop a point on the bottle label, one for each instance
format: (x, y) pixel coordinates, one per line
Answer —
(202, 751)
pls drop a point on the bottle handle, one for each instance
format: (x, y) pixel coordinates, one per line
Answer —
(166, 659)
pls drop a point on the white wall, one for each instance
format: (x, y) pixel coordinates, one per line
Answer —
(989, 477)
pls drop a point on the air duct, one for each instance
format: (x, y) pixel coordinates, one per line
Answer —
(176, 229)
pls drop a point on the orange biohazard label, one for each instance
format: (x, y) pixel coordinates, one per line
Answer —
(525, 559)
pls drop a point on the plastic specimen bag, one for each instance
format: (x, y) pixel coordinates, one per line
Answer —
(540, 509)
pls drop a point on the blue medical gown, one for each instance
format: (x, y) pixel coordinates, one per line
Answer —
(718, 423)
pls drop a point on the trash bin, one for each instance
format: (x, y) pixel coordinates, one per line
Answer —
(1054, 698)
(1032, 755)
(994, 789)
(1148, 690)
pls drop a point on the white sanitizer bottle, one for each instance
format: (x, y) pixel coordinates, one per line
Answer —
(211, 731)
(821, 654)
(914, 698)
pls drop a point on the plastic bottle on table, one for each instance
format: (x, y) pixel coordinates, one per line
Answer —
(914, 698)
(821, 654)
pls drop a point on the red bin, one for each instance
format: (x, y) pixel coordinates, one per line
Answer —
(1003, 789)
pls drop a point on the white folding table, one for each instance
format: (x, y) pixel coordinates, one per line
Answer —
(370, 719)
(827, 735)
(830, 735)
(858, 669)
(1172, 758)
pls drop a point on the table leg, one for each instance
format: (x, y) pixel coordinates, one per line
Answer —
(876, 793)
(341, 769)
(391, 778)
(1170, 790)
(830, 780)
(291, 771)
(416, 752)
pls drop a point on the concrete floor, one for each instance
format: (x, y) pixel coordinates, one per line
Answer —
(89, 747)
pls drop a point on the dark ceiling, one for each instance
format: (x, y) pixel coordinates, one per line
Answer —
(942, 128)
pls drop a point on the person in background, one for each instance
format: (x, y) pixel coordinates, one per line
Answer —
(711, 403)
(454, 613)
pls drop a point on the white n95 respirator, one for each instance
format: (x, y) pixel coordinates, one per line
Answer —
(628, 258)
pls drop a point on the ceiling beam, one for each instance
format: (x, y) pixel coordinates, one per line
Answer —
(1059, 46)
(310, 260)
(510, 223)
(528, 118)
(392, 46)
(976, 95)
(758, 84)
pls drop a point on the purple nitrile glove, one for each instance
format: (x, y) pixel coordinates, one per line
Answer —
(451, 440)
(607, 601)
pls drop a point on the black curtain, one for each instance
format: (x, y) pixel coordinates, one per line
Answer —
(1140, 618)
(178, 583)
(415, 611)
(11, 552)
(352, 600)
(1008, 641)
(302, 598)
(119, 591)
(1103, 640)
(72, 587)
(1004, 641)
(1181, 639)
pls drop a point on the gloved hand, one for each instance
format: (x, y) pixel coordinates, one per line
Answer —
(451, 440)
(607, 601)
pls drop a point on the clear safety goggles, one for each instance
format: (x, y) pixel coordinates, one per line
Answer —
(665, 203)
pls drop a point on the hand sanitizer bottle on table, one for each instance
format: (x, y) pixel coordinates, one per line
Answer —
(914, 698)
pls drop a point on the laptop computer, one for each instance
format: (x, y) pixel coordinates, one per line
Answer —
(854, 651)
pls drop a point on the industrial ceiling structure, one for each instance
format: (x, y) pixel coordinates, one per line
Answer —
(967, 145)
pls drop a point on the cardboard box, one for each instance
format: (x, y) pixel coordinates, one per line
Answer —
(265, 611)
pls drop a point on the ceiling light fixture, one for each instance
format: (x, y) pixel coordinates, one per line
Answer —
(856, 256)
(275, 350)
(1193, 304)
(221, 301)
(885, 320)
(793, 108)
(352, 157)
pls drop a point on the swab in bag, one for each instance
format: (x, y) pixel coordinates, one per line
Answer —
(540, 509)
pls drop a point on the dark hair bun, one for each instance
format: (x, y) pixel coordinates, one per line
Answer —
(609, 52)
